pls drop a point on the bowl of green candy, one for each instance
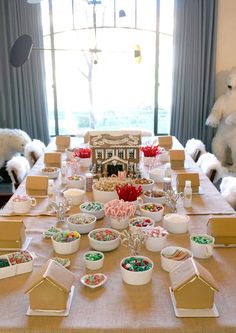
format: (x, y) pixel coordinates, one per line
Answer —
(93, 259)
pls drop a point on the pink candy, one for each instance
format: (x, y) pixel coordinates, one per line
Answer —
(156, 232)
(118, 208)
(21, 198)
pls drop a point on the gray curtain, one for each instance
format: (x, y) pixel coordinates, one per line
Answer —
(22, 90)
(194, 69)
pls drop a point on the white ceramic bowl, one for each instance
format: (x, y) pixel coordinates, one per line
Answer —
(94, 264)
(104, 196)
(155, 215)
(169, 264)
(101, 245)
(85, 162)
(176, 223)
(140, 220)
(82, 228)
(75, 195)
(152, 196)
(119, 222)
(92, 207)
(136, 278)
(157, 174)
(66, 247)
(75, 183)
(155, 244)
(51, 172)
(145, 187)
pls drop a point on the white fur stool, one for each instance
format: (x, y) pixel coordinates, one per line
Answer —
(195, 148)
(228, 190)
(211, 167)
(17, 168)
(12, 141)
(33, 150)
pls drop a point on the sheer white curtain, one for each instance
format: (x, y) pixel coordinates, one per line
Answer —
(22, 90)
(194, 69)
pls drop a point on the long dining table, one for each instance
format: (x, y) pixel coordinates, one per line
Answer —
(117, 306)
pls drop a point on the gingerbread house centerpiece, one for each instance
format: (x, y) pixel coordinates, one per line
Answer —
(193, 286)
(115, 151)
(49, 288)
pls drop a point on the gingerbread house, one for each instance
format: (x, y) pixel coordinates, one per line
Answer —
(12, 234)
(177, 157)
(49, 287)
(193, 286)
(192, 176)
(115, 151)
(223, 229)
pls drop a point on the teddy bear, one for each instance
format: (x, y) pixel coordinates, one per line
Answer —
(223, 116)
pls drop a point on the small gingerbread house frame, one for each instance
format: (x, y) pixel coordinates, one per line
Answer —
(49, 287)
(223, 229)
(193, 286)
(12, 234)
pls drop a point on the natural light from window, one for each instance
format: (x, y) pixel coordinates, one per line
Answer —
(99, 81)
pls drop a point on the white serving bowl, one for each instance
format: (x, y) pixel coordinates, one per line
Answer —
(74, 195)
(94, 264)
(155, 244)
(82, 228)
(140, 219)
(157, 174)
(156, 215)
(145, 187)
(51, 172)
(75, 183)
(101, 245)
(85, 162)
(66, 247)
(152, 196)
(92, 207)
(136, 278)
(169, 264)
(103, 196)
(176, 223)
(119, 222)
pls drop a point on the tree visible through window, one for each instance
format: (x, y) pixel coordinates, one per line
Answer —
(103, 64)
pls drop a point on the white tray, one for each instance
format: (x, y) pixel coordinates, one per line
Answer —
(54, 313)
(181, 313)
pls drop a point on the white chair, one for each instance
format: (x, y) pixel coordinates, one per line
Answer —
(211, 167)
(195, 148)
(33, 150)
(228, 190)
(17, 168)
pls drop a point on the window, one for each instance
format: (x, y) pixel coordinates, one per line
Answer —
(100, 64)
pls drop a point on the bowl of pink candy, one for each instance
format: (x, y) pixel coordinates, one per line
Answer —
(66, 242)
(104, 239)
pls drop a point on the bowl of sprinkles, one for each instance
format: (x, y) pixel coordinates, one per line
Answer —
(104, 239)
(152, 210)
(66, 242)
(93, 280)
(140, 222)
(93, 207)
(93, 259)
(81, 222)
(136, 270)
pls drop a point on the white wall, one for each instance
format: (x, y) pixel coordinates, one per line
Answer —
(226, 43)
